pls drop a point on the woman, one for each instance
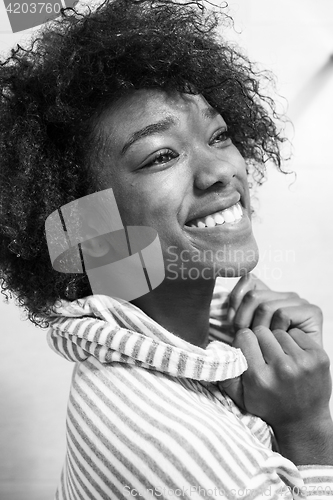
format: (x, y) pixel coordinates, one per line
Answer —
(143, 100)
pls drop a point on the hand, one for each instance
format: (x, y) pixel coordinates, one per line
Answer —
(252, 304)
(288, 380)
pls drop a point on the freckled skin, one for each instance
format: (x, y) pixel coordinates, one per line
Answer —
(162, 181)
(163, 195)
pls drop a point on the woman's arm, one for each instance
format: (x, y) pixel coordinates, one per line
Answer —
(287, 384)
(288, 381)
(307, 443)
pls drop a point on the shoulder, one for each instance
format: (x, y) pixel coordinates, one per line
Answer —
(130, 399)
(131, 426)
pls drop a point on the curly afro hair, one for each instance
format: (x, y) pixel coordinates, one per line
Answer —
(52, 91)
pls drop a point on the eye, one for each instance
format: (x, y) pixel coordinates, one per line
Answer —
(161, 158)
(221, 137)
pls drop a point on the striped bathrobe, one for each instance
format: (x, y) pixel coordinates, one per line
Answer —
(147, 418)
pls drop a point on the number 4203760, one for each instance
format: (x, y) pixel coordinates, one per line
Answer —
(32, 8)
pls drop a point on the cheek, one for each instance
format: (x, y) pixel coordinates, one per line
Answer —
(153, 200)
(236, 159)
(143, 208)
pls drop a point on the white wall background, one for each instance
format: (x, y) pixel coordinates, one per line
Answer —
(293, 229)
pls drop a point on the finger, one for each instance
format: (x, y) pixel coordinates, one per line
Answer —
(303, 340)
(271, 350)
(257, 301)
(303, 316)
(287, 343)
(236, 295)
(247, 341)
(245, 284)
(234, 388)
(278, 313)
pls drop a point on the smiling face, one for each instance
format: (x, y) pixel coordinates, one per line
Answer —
(173, 167)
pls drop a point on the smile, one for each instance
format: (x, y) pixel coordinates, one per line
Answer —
(228, 216)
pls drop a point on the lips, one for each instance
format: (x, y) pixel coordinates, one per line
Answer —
(227, 216)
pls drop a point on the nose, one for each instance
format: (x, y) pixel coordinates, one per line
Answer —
(211, 168)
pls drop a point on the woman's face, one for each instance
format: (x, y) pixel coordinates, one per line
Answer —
(170, 162)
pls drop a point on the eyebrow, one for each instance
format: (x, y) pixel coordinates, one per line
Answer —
(210, 113)
(154, 128)
(161, 126)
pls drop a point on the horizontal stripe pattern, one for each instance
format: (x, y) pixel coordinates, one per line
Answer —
(147, 418)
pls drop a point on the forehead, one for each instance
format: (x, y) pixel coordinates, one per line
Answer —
(143, 107)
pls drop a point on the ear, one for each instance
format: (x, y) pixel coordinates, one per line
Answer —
(95, 246)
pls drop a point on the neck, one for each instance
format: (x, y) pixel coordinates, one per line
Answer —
(181, 307)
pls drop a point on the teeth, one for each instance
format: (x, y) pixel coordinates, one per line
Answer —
(209, 221)
(238, 211)
(219, 219)
(228, 215)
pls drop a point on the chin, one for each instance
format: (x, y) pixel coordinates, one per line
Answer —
(236, 270)
(229, 261)
(243, 261)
